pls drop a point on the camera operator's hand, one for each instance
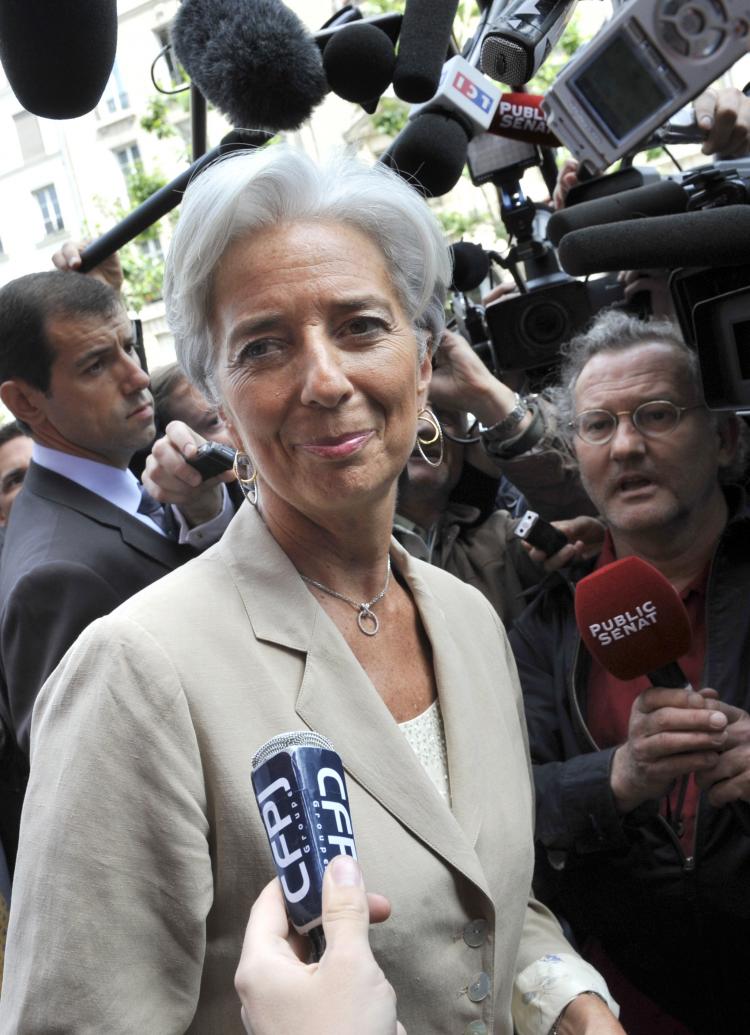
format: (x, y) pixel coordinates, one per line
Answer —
(507, 289)
(671, 733)
(109, 271)
(461, 381)
(345, 992)
(567, 178)
(656, 284)
(586, 535)
(169, 478)
(725, 116)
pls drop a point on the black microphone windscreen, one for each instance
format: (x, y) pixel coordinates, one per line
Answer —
(471, 264)
(58, 56)
(710, 237)
(430, 152)
(358, 62)
(253, 59)
(422, 48)
(657, 199)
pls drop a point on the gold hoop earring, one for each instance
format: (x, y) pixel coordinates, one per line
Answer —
(429, 418)
(249, 485)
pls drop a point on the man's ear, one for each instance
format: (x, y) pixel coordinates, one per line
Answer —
(728, 429)
(23, 401)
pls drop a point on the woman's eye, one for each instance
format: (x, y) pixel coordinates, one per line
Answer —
(363, 325)
(256, 350)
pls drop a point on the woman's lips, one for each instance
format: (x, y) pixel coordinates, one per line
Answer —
(334, 447)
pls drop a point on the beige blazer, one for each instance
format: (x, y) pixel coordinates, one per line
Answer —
(142, 848)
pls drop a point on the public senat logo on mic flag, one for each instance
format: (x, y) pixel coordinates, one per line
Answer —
(631, 618)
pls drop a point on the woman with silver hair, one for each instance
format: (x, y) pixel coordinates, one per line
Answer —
(307, 301)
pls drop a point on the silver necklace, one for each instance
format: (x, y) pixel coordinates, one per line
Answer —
(366, 619)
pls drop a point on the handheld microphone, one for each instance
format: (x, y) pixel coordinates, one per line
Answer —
(708, 237)
(253, 59)
(520, 116)
(471, 264)
(58, 57)
(633, 622)
(656, 199)
(359, 60)
(519, 36)
(163, 200)
(431, 149)
(423, 44)
(300, 788)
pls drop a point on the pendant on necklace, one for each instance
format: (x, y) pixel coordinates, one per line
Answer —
(367, 620)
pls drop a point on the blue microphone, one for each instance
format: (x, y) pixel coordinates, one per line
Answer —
(300, 788)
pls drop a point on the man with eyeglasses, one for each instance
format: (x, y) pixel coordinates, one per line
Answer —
(661, 908)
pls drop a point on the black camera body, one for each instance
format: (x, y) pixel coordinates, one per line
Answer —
(528, 330)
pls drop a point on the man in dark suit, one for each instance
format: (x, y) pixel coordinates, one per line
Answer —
(83, 536)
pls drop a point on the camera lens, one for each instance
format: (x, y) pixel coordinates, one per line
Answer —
(544, 323)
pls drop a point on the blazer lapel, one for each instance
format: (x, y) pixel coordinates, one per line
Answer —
(135, 533)
(337, 699)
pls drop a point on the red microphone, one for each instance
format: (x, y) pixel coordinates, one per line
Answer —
(519, 116)
(633, 622)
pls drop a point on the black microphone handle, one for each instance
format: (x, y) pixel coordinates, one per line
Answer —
(150, 211)
(670, 676)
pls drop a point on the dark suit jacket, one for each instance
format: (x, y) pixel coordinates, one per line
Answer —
(70, 556)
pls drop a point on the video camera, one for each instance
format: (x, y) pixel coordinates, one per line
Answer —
(696, 224)
(526, 331)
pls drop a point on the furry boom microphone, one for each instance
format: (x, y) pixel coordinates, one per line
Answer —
(253, 59)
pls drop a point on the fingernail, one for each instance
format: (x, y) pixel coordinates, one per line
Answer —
(706, 121)
(718, 720)
(345, 872)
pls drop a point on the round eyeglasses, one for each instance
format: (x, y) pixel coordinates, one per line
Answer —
(653, 418)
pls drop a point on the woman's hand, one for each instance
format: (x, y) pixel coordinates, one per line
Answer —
(169, 478)
(345, 992)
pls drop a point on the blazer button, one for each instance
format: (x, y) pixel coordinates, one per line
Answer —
(475, 933)
(479, 989)
(476, 1028)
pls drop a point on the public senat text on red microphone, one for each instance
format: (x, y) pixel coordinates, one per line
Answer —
(631, 618)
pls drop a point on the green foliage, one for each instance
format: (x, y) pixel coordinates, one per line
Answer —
(391, 116)
(143, 277)
(371, 7)
(156, 119)
(161, 111)
(566, 47)
(143, 274)
(459, 224)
